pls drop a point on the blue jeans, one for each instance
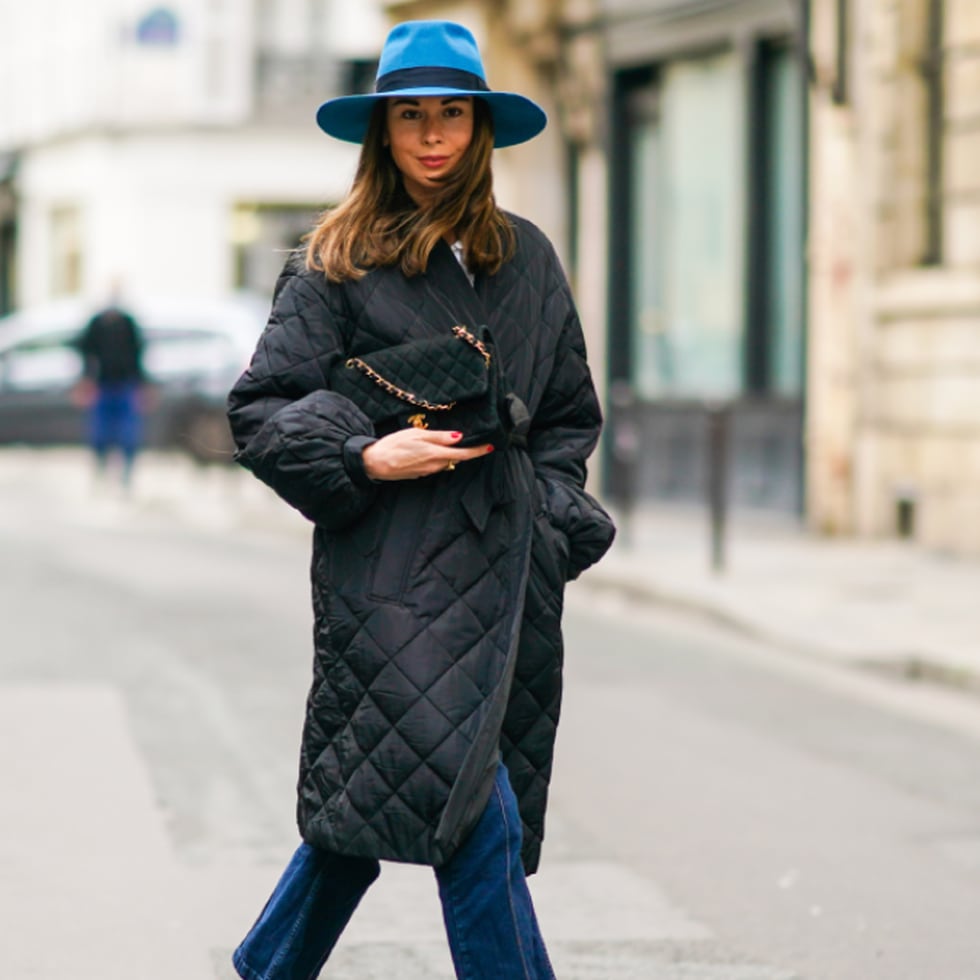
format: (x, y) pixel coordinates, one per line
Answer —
(493, 933)
(114, 420)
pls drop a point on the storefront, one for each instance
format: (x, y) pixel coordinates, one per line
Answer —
(706, 245)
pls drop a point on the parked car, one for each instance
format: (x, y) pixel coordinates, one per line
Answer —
(195, 349)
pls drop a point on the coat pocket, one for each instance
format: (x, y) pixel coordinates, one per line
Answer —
(550, 552)
(405, 521)
(587, 528)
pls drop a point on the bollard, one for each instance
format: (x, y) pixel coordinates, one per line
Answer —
(625, 453)
(719, 426)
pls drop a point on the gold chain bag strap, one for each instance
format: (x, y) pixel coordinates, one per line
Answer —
(448, 382)
(407, 396)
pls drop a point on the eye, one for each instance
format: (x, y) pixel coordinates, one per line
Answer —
(411, 114)
(453, 110)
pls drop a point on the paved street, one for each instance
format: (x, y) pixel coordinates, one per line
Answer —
(722, 809)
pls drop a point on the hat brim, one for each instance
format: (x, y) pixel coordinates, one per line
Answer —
(516, 118)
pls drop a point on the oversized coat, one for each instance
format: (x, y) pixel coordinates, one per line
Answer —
(437, 602)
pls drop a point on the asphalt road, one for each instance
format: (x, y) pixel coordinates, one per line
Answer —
(721, 811)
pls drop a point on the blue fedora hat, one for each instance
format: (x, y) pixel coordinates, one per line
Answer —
(432, 57)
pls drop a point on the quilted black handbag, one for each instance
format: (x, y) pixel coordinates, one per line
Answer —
(450, 382)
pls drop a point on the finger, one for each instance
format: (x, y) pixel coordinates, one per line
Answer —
(474, 452)
(444, 437)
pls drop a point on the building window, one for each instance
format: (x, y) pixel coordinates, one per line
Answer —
(840, 91)
(262, 236)
(911, 140)
(66, 251)
(357, 75)
(158, 27)
(294, 68)
(706, 293)
(707, 237)
(684, 156)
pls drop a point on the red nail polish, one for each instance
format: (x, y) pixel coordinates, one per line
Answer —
(457, 435)
(489, 449)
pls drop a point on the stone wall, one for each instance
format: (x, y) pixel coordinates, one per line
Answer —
(893, 432)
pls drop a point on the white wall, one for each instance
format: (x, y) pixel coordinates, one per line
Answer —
(154, 146)
(354, 29)
(70, 66)
(157, 208)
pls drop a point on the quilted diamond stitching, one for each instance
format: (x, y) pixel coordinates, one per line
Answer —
(297, 348)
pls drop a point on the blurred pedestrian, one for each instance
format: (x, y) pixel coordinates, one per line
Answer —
(110, 389)
(441, 548)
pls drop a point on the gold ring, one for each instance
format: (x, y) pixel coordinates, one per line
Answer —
(450, 466)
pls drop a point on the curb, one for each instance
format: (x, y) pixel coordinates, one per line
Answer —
(920, 667)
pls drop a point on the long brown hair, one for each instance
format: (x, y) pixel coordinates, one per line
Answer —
(378, 224)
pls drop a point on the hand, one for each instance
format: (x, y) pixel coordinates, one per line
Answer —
(84, 393)
(411, 453)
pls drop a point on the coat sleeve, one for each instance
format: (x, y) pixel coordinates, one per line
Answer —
(301, 439)
(564, 432)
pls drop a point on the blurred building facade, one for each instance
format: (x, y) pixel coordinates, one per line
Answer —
(893, 432)
(771, 206)
(168, 146)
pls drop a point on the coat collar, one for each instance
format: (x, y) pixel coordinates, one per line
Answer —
(448, 282)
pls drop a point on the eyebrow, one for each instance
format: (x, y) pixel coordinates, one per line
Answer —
(446, 101)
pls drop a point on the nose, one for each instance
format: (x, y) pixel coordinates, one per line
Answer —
(432, 130)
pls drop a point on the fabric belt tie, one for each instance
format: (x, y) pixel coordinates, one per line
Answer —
(489, 482)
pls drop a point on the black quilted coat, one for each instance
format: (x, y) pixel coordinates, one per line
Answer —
(437, 602)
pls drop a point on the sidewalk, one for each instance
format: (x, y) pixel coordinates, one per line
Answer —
(885, 605)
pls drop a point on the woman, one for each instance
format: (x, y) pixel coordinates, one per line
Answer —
(438, 565)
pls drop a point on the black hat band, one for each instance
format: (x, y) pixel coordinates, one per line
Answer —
(395, 81)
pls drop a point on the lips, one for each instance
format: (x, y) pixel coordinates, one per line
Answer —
(433, 163)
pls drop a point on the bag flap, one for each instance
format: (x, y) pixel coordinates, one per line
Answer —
(440, 370)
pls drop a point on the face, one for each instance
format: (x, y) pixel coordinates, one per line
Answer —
(428, 137)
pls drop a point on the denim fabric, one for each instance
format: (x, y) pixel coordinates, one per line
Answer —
(486, 906)
(305, 915)
(493, 933)
(115, 419)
